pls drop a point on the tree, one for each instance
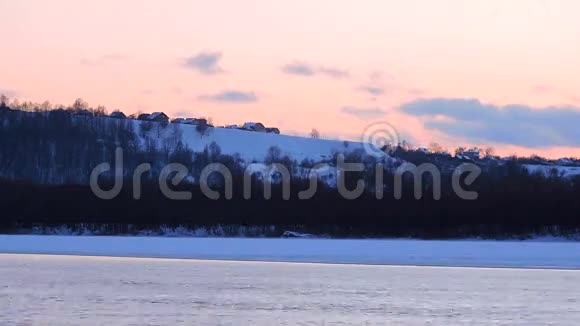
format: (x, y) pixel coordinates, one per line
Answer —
(45, 106)
(3, 101)
(314, 133)
(405, 145)
(459, 150)
(101, 110)
(489, 151)
(80, 104)
(273, 155)
(201, 128)
(435, 148)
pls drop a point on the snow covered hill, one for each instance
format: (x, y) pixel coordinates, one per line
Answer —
(253, 146)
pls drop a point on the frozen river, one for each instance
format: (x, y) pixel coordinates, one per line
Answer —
(77, 290)
(476, 253)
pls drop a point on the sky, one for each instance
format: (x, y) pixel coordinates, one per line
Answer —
(494, 73)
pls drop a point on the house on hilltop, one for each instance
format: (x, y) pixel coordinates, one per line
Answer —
(143, 116)
(158, 117)
(470, 154)
(84, 112)
(273, 130)
(254, 126)
(117, 115)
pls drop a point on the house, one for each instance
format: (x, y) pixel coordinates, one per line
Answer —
(117, 115)
(188, 121)
(201, 121)
(472, 154)
(273, 131)
(424, 150)
(178, 120)
(84, 112)
(158, 117)
(232, 127)
(254, 126)
(143, 116)
(564, 161)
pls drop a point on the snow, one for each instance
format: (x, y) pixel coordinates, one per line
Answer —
(546, 170)
(529, 254)
(64, 290)
(254, 145)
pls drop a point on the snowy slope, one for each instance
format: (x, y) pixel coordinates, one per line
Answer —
(546, 170)
(254, 145)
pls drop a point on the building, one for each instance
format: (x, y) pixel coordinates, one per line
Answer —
(273, 130)
(177, 120)
(564, 161)
(254, 126)
(200, 121)
(143, 116)
(84, 112)
(472, 154)
(158, 117)
(232, 127)
(117, 115)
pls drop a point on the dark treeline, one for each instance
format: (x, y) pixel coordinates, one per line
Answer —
(46, 159)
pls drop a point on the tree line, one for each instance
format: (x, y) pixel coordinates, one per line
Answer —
(46, 157)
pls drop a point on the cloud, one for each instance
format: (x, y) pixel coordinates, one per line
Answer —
(206, 63)
(334, 72)
(518, 125)
(364, 113)
(105, 59)
(301, 68)
(230, 96)
(372, 90)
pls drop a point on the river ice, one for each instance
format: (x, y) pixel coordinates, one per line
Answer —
(77, 290)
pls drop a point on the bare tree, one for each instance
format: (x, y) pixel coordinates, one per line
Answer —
(202, 128)
(45, 106)
(80, 104)
(3, 101)
(489, 151)
(314, 133)
(101, 110)
(460, 150)
(435, 148)
(405, 145)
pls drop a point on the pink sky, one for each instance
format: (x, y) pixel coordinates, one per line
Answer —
(131, 55)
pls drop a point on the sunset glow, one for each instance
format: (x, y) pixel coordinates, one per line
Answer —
(332, 65)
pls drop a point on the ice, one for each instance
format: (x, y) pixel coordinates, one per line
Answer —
(531, 254)
(67, 290)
